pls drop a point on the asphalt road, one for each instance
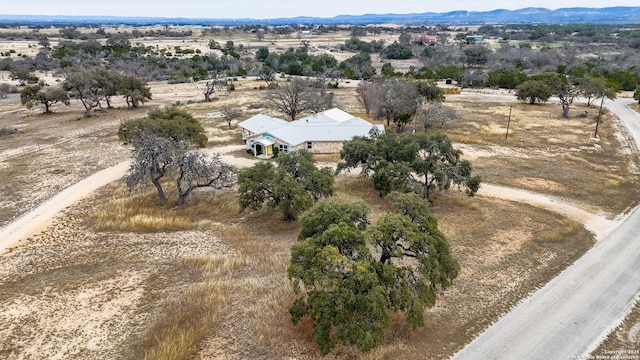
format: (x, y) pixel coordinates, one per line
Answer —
(572, 314)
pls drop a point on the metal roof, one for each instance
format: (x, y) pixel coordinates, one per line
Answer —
(261, 123)
(330, 125)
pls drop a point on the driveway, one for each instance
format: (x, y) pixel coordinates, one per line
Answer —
(572, 314)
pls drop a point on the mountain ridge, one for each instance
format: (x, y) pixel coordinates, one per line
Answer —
(616, 14)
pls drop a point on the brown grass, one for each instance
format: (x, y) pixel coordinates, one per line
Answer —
(185, 322)
(567, 229)
(233, 304)
(544, 146)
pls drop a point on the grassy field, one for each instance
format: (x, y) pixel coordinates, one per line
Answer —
(548, 154)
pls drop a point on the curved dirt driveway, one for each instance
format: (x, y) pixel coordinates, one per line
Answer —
(37, 219)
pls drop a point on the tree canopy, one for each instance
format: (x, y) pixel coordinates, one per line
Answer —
(94, 85)
(347, 292)
(292, 186)
(420, 162)
(533, 91)
(171, 123)
(43, 95)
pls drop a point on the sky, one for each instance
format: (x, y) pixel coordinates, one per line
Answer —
(266, 9)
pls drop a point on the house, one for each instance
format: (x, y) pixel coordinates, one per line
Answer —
(426, 40)
(321, 133)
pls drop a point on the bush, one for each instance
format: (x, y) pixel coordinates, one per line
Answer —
(9, 131)
(7, 89)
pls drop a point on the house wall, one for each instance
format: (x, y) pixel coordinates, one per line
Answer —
(322, 147)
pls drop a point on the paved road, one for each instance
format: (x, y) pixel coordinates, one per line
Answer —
(573, 313)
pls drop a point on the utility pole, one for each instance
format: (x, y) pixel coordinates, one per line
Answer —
(595, 134)
(508, 122)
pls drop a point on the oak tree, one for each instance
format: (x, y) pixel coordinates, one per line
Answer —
(351, 275)
(47, 96)
(291, 187)
(172, 123)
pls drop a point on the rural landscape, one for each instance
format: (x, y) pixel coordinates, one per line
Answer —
(142, 218)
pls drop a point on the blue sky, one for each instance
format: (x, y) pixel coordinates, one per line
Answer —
(264, 9)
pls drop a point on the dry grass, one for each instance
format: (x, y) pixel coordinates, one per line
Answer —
(567, 229)
(208, 300)
(518, 245)
(549, 150)
(143, 212)
(352, 188)
(185, 322)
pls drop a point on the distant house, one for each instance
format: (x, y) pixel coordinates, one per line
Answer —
(476, 38)
(429, 40)
(321, 133)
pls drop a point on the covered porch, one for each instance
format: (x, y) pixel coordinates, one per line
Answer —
(262, 148)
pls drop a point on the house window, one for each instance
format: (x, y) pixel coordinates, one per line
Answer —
(283, 148)
(309, 145)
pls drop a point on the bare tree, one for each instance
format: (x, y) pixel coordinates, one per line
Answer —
(195, 171)
(211, 86)
(318, 98)
(154, 158)
(267, 75)
(260, 33)
(7, 88)
(230, 113)
(435, 114)
(290, 98)
(398, 101)
(368, 94)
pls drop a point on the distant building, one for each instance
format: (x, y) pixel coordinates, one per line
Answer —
(477, 38)
(428, 40)
(321, 133)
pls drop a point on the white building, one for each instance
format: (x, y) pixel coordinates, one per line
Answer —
(321, 133)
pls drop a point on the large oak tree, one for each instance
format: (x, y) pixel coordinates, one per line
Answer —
(346, 290)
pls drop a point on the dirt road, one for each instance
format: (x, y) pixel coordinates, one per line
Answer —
(37, 219)
(573, 313)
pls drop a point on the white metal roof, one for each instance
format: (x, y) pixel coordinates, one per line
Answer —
(261, 123)
(331, 125)
(337, 115)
